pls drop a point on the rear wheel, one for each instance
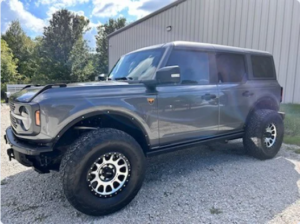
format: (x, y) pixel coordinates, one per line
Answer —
(264, 134)
(102, 171)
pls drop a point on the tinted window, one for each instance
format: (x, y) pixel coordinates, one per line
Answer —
(194, 66)
(231, 68)
(263, 67)
(139, 65)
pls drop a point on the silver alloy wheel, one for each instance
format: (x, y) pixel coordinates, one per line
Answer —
(270, 135)
(109, 174)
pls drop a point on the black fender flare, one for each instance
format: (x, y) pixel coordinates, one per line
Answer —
(134, 119)
(255, 106)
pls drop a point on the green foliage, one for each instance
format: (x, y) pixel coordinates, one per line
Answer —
(59, 55)
(37, 56)
(291, 123)
(102, 42)
(22, 48)
(59, 38)
(81, 62)
(8, 63)
(9, 73)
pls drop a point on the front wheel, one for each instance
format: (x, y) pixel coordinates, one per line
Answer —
(264, 134)
(102, 171)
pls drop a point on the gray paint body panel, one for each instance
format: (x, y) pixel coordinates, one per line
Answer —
(60, 106)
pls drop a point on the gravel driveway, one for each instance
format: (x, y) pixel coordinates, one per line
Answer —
(215, 184)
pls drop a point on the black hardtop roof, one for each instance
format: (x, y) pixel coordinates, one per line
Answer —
(206, 46)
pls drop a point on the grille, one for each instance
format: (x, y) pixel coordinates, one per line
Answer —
(12, 106)
(14, 121)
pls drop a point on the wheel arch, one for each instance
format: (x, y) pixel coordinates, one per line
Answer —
(265, 102)
(126, 122)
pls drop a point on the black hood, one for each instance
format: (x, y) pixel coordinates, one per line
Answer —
(25, 95)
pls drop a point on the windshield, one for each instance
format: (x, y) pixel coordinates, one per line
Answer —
(137, 66)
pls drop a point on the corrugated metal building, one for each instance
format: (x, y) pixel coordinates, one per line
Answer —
(269, 25)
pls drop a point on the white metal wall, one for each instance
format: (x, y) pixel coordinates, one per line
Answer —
(270, 25)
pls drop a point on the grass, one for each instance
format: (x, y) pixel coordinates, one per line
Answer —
(215, 211)
(297, 151)
(3, 182)
(2, 100)
(41, 218)
(292, 123)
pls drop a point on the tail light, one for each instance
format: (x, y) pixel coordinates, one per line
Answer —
(281, 94)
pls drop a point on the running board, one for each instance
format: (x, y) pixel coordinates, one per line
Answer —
(180, 146)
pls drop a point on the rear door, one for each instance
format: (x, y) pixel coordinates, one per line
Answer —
(190, 110)
(236, 94)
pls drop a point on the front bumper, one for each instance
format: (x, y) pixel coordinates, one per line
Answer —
(19, 146)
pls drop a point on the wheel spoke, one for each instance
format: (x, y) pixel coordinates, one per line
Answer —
(118, 160)
(97, 165)
(111, 159)
(271, 134)
(109, 176)
(121, 166)
(98, 185)
(118, 181)
(94, 173)
(112, 187)
(95, 179)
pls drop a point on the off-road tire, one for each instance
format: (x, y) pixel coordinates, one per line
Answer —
(254, 134)
(82, 154)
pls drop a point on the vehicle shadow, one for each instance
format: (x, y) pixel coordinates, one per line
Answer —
(206, 184)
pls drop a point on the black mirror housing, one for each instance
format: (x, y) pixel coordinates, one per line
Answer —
(165, 75)
(102, 77)
(168, 75)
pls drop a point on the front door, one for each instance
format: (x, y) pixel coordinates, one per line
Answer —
(190, 110)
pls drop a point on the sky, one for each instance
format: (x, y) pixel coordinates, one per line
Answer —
(35, 14)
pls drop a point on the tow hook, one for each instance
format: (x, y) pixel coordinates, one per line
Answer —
(10, 153)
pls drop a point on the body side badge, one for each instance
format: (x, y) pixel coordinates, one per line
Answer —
(150, 100)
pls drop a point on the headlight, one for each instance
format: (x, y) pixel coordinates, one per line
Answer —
(26, 118)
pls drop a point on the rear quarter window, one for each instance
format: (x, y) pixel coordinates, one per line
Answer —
(263, 67)
(231, 68)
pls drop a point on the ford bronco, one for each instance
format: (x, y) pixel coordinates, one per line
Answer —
(156, 99)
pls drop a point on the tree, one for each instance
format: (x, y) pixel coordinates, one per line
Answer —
(81, 62)
(22, 48)
(102, 42)
(38, 77)
(64, 31)
(9, 73)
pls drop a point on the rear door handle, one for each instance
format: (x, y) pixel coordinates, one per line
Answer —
(209, 96)
(247, 93)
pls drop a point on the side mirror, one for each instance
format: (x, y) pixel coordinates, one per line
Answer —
(102, 77)
(165, 75)
(168, 75)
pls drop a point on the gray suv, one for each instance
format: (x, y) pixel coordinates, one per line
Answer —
(156, 99)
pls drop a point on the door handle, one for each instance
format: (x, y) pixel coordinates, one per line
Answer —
(208, 96)
(247, 93)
